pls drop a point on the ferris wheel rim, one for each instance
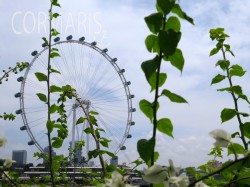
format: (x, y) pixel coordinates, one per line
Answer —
(109, 59)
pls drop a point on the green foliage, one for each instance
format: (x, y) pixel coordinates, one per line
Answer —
(41, 77)
(145, 148)
(42, 97)
(154, 22)
(173, 97)
(10, 117)
(227, 114)
(165, 126)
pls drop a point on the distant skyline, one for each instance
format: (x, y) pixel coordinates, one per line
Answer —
(120, 27)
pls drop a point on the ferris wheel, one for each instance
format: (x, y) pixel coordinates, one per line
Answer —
(98, 81)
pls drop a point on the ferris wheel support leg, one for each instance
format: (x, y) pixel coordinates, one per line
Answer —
(72, 148)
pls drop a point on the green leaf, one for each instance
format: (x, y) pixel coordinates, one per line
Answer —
(50, 126)
(177, 60)
(246, 129)
(218, 78)
(236, 70)
(235, 148)
(165, 126)
(54, 54)
(244, 97)
(214, 51)
(154, 22)
(150, 66)
(42, 97)
(152, 43)
(45, 41)
(168, 41)
(80, 120)
(162, 80)
(55, 3)
(55, 15)
(89, 130)
(57, 142)
(53, 108)
(159, 185)
(104, 142)
(227, 114)
(55, 71)
(93, 113)
(173, 23)
(145, 148)
(234, 89)
(173, 97)
(54, 88)
(228, 49)
(165, 6)
(54, 32)
(147, 108)
(41, 77)
(178, 11)
(224, 64)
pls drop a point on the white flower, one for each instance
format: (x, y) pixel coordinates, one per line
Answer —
(8, 163)
(173, 171)
(2, 141)
(155, 174)
(117, 181)
(180, 181)
(201, 184)
(222, 137)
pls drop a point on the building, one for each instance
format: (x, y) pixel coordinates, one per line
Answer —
(20, 156)
(76, 157)
(46, 150)
(114, 161)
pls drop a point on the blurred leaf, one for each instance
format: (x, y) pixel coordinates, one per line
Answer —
(162, 80)
(235, 148)
(236, 70)
(177, 10)
(168, 41)
(177, 60)
(42, 97)
(54, 88)
(152, 43)
(145, 148)
(227, 114)
(154, 22)
(147, 108)
(173, 97)
(149, 67)
(57, 142)
(165, 126)
(246, 129)
(80, 120)
(173, 23)
(165, 6)
(41, 77)
(214, 51)
(50, 126)
(218, 78)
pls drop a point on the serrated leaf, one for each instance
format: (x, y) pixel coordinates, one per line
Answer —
(177, 10)
(173, 97)
(150, 66)
(218, 78)
(145, 148)
(53, 108)
(54, 54)
(57, 142)
(246, 129)
(177, 60)
(165, 6)
(42, 97)
(227, 114)
(152, 43)
(168, 41)
(173, 23)
(50, 126)
(214, 51)
(165, 126)
(235, 148)
(80, 120)
(54, 88)
(162, 80)
(154, 22)
(147, 108)
(236, 70)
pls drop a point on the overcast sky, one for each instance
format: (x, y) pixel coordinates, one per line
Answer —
(119, 26)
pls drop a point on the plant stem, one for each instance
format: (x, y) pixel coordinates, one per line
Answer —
(48, 94)
(235, 103)
(9, 179)
(220, 170)
(156, 98)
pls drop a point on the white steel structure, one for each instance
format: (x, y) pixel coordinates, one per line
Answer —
(99, 82)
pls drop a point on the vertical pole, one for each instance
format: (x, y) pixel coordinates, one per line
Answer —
(73, 132)
(87, 136)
